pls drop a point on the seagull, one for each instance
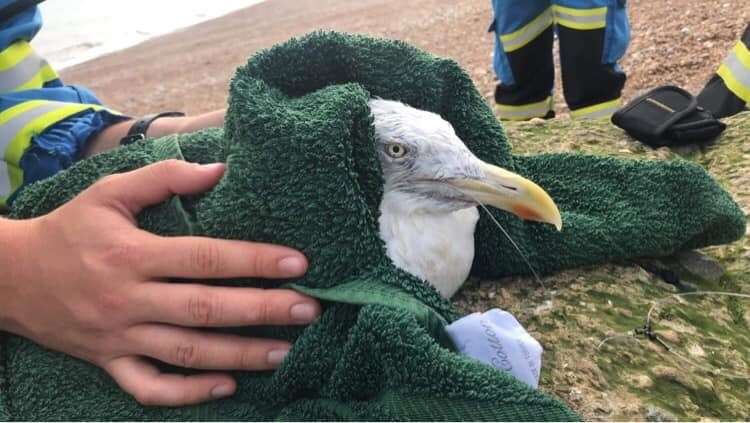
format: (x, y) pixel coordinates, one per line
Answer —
(432, 187)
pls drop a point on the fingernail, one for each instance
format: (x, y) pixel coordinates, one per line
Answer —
(303, 312)
(212, 166)
(222, 391)
(277, 356)
(291, 266)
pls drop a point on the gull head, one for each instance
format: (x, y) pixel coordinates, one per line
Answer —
(430, 170)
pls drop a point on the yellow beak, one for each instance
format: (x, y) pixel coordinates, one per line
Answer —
(511, 192)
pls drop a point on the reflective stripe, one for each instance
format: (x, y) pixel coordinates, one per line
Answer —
(21, 68)
(581, 19)
(740, 71)
(18, 125)
(596, 11)
(45, 74)
(735, 71)
(597, 111)
(14, 54)
(19, 74)
(4, 183)
(524, 112)
(17, 119)
(36, 123)
(527, 33)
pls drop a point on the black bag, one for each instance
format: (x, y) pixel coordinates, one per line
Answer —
(668, 116)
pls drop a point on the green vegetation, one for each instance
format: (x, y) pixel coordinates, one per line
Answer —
(632, 378)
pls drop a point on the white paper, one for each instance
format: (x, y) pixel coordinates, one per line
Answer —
(496, 338)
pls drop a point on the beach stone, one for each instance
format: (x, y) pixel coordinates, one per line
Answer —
(641, 381)
(664, 372)
(696, 350)
(701, 265)
(669, 335)
(604, 408)
(656, 414)
(537, 121)
(683, 377)
(575, 395)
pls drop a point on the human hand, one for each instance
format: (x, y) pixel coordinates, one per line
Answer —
(95, 286)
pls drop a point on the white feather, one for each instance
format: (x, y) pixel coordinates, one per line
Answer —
(435, 247)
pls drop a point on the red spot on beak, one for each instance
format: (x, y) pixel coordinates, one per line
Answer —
(525, 213)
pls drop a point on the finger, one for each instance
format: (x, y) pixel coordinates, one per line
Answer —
(208, 351)
(151, 387)
(154, 183)
(200, 305)
(207, 258)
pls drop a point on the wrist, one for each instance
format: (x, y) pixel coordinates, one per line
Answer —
(166, 126)
(15, 249)
(186, 124)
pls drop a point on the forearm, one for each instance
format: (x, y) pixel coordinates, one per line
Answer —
(14, 265)
(111, 136)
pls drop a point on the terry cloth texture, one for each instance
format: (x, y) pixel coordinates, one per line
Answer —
(302, 171)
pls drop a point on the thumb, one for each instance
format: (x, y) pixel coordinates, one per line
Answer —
(155, 183)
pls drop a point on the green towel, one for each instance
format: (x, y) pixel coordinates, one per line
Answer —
(302, 171)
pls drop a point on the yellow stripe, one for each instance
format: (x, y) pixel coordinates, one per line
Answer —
(743, 54)
(44, 75)
(580, 19)
(16, 110)
(590, 110)
(599, 11)
(524, 112)
(580, 26)
(518, 119)
(733, 84)
(525, 107)
(22, 140)
(517, 33)
(14, 54)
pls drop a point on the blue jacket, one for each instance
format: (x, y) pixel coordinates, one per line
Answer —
(44, 124)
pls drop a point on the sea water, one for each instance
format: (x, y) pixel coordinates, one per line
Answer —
(75, 31)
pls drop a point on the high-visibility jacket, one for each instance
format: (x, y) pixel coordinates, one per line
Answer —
(44, 124)
(728, 91)
(593, 34)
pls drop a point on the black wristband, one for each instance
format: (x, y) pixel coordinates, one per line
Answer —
(138, 131)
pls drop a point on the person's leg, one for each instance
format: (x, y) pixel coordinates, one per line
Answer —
(594, 35)
(728, 91)
(523, 58)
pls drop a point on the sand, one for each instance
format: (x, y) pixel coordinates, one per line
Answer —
(674, 41)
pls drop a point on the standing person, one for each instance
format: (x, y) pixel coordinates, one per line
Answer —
(728, 91)
(85, 280)
(593, 34)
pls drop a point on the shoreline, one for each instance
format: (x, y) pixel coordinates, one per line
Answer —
(101, 29)
(190, 69)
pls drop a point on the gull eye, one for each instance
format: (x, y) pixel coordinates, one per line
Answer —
(395, 150)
